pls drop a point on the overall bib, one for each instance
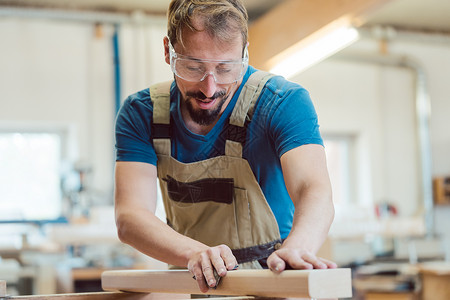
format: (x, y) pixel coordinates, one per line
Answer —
(217, 200)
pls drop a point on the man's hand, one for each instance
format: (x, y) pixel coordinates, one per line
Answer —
(297, 259)
(201, 265)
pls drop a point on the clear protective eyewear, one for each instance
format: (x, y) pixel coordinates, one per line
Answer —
(196, 69)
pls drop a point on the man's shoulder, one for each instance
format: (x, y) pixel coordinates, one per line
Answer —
(276, 84)
(141, 96)
(278, 90)
(138, 103)
(280, 85)
(136, 106)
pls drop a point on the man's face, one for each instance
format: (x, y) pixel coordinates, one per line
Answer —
(205, 99)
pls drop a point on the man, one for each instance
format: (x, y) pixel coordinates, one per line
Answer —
(237, 151)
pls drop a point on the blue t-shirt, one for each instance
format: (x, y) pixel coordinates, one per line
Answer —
(284, 118)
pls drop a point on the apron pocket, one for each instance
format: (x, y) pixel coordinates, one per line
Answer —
(209, 189)
(211, 223)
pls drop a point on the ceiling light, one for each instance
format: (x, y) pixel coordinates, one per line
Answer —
(315, 50)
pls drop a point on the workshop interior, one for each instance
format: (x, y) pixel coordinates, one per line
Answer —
(377, 72)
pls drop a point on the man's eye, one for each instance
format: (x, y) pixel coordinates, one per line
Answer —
(193, 69)
(223, 70)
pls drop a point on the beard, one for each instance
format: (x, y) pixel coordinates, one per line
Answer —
(205, 117)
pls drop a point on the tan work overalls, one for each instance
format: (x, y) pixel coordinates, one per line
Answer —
(217, 200)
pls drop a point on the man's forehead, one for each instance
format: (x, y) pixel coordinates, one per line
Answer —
(202, 43)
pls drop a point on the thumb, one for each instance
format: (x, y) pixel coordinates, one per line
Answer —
(275, 263)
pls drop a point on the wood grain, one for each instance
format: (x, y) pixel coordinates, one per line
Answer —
(320, 284)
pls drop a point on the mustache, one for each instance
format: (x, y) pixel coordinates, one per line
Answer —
(201, 96)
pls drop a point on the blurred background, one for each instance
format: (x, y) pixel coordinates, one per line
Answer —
(377, 71)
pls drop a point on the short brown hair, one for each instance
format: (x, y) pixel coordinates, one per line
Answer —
(221, 18)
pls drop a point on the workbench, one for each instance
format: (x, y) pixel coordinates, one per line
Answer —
(435, 280)
(239, 284)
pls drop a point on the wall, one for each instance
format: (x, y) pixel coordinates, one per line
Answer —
(56, 73)
(375, 104)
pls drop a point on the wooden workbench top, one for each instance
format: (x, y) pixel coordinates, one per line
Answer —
(436, 268)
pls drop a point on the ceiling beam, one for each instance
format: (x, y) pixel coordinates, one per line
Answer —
(290, 25)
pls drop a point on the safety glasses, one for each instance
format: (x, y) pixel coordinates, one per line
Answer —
(196, 70)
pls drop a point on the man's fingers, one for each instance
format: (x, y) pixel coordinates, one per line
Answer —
(329, 263)
(207, 270)
(318, 262)
(204, 264)
(198, 275)
(228, 258)
(196, 268)
(313, 261)
(296, 262)
(276, 263)
(221, 258)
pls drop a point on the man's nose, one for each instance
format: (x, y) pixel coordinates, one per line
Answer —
(208, 85)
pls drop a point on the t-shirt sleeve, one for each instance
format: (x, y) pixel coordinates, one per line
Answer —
(133, 130)
(294, 120)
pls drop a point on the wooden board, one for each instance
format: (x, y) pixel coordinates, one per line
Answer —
(435, 280)
(105, 296)
(319, 284)
(90, 296)
(115, 296)
(435, 287)
(390, 296)
(2, 288)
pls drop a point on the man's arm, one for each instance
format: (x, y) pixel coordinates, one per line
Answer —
(307, 181)
(135, 204)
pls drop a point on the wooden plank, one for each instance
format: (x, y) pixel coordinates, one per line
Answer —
(390, 296)
(94, 296)
(294, 23)
(109, 296)
(435, 287)
(2, 288)
(87, 273)
(435, 280)
(117, 296)
(330, 283)
(435, 268)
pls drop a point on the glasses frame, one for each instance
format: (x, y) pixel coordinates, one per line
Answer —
(174, 56)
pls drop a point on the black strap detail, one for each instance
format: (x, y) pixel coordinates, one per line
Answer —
(219, 190)
(161, 131)
(258, 252)
(237, 133)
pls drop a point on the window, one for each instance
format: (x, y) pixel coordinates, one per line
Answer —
(338, 152)
(30, 176)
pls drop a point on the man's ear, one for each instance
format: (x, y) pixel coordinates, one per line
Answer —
(166, 50)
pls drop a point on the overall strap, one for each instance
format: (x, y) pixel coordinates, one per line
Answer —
(160, 96)
(243, 112)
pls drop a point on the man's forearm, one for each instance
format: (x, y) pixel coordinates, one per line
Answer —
(148, 234)
(145, 232)
(314, 213)
(312, 219)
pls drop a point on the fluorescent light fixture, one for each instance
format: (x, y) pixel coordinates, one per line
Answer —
(316, 51)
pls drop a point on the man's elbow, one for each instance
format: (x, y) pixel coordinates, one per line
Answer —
(124, 225)
(332, 213)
